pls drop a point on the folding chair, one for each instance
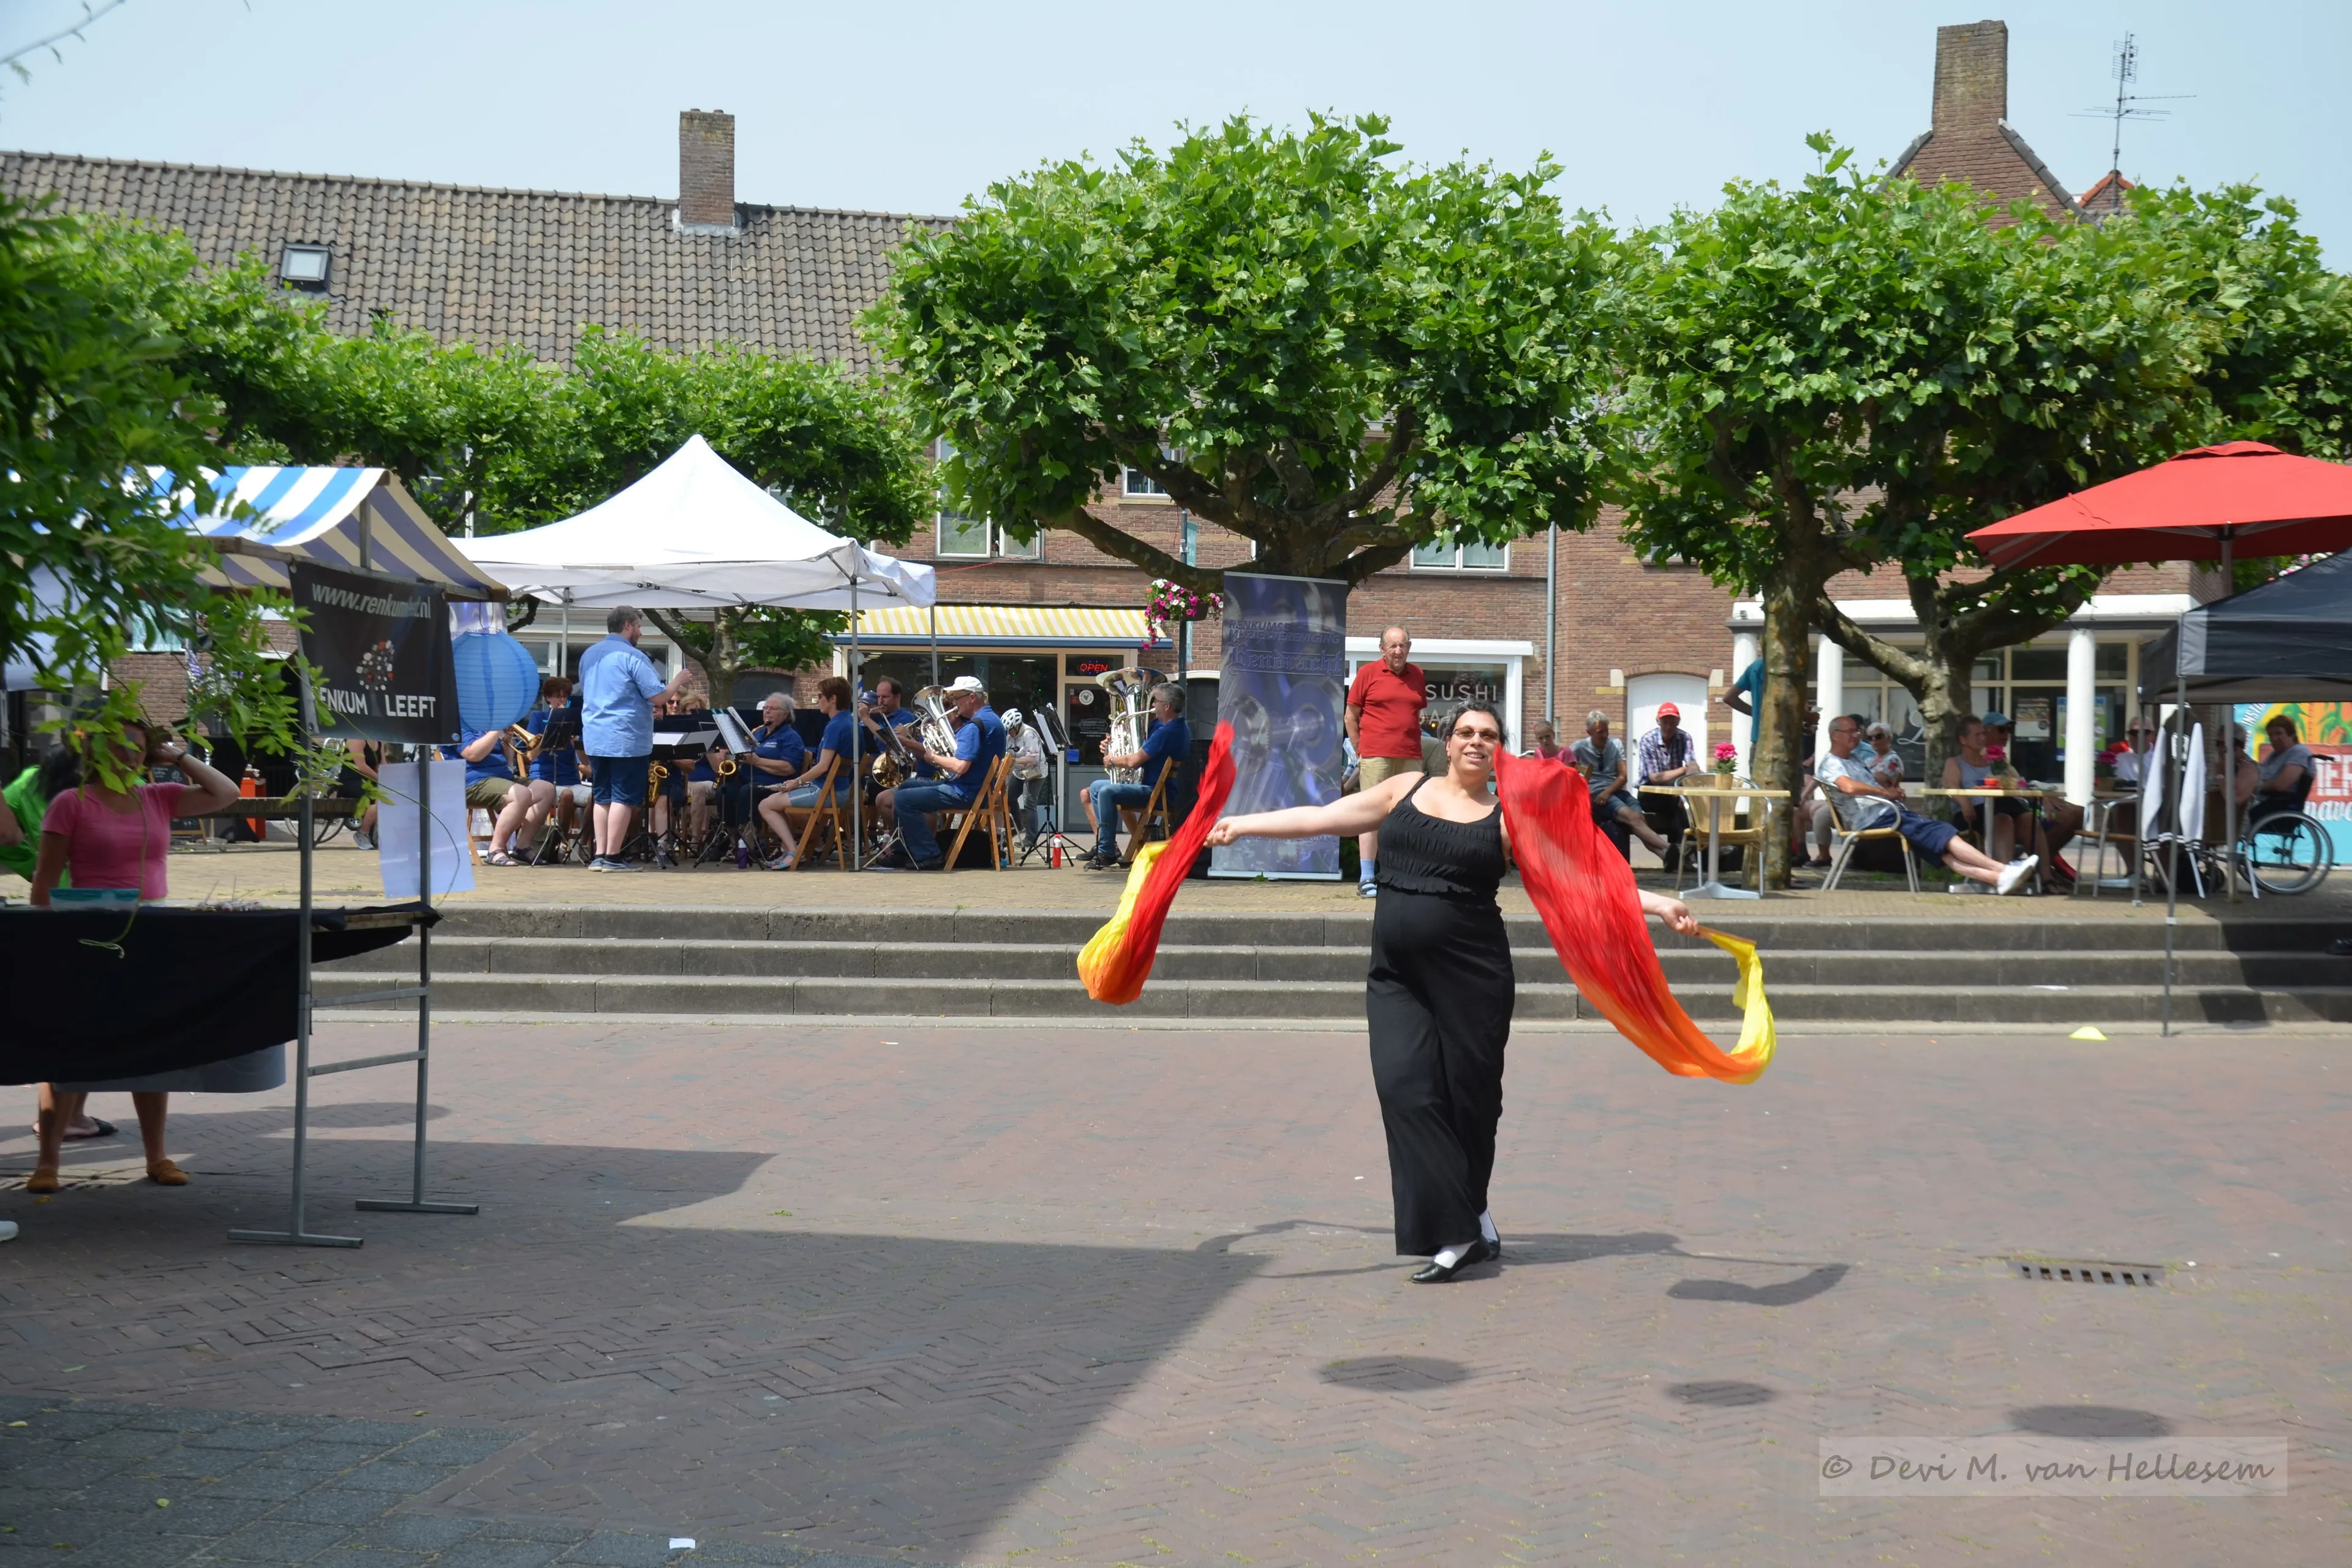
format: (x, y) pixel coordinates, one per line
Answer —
(1156, 806)
(824, 814)
(1846, 841)
(987, 807)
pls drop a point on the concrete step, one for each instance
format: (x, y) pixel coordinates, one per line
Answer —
(2072, 926)
(921, 962)
(549, 995)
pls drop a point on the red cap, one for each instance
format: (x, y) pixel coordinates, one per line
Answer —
(1668, 710)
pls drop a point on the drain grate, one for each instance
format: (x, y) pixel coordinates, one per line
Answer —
(2077, 1271)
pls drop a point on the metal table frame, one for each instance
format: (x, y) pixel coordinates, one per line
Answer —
(1713, 887)
(297, 1232)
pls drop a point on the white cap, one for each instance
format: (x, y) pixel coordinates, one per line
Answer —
(967, 683)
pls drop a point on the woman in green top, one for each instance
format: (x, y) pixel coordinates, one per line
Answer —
(27, 801)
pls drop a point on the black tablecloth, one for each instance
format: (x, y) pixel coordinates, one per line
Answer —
(190, 986)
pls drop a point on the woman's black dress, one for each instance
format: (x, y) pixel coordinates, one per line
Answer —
(1439, 1001)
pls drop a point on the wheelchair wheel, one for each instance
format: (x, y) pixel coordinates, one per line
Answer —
(2288, 853)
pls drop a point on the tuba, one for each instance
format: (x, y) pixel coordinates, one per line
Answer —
(936, 722)
(1129, 692)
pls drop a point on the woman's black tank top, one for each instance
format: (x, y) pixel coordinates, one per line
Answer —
(1426, 854)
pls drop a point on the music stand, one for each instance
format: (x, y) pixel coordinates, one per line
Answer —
(738, 742)
(1050, 728)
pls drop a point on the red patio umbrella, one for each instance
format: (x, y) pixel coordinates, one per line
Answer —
(2240, 498)
(2212, 504)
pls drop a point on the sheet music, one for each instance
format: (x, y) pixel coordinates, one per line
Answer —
(731, 731)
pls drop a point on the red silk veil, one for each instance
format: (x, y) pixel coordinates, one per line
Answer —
(1118, 959)
(1584, 891)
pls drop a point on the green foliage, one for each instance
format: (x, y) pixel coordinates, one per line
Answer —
(1299, 340)
(1852, 372)
(90, 393)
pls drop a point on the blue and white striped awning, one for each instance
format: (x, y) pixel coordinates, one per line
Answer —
(360, 519)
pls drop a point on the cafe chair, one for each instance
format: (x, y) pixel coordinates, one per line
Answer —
(1849, 839)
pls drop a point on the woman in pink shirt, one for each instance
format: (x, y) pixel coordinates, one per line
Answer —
(106, 838)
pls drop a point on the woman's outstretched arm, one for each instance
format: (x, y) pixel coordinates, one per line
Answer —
(1359, 813)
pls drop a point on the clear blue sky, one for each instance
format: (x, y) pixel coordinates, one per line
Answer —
(910, 106)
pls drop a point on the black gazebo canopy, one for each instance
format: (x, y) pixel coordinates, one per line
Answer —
(2287, 641)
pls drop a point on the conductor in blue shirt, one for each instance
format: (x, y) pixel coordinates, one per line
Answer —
(618, 687)
(980, 741)
(1168, 744)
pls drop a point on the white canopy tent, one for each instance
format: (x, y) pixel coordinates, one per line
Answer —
(696, 534)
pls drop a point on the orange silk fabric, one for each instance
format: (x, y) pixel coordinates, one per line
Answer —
(1117, 960)
(1584, 891)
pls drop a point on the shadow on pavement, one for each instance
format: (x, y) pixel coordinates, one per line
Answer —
(1393, 1374)
(885, 1393)
(2090, 1421)
(1787, 1294)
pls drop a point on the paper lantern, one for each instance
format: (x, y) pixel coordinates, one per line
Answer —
(497, 680)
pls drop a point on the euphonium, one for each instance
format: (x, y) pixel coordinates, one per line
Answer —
(524, 739)
(1129, 691)
(937, 723)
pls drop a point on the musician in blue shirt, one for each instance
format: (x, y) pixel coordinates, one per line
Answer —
(980, 741)
(1167, 746)
(555, 770)
(806, 792)
(490, 785)
(889, 709)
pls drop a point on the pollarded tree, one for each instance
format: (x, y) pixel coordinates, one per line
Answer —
(1817, 373)
(1295, 336)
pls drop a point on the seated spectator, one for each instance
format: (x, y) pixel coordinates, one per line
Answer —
(1666, 754)
(1884, 761)
(1543, 741)
(2282, 778)
(1602, 763)
(1861, 803)
(1975, 767)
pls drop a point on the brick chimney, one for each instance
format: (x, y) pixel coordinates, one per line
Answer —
(706, 169)
(1971, 76)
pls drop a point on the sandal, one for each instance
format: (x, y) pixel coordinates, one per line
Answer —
(100, 1128)
(44, 1180)
(501, 858)
(167, 1173)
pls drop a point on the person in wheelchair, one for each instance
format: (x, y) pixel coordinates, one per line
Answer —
(2282, 778)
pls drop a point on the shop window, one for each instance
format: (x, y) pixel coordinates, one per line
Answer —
(2038, 664)
(2112, 661)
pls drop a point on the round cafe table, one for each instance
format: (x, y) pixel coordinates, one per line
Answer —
(1716, 795)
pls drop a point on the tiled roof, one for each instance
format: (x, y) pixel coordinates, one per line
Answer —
(494, 266)
(1994, 159)
(2106, 196)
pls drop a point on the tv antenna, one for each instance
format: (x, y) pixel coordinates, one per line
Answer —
(2126, 70)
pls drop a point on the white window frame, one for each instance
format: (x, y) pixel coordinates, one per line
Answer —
(1457, 549)
(1131, 477)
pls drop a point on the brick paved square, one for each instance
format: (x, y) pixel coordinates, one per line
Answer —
(964, 1295)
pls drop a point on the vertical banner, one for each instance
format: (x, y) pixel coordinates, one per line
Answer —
(1283, 688)
(382, 649)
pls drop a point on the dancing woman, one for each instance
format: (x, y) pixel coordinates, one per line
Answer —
(1439, 994)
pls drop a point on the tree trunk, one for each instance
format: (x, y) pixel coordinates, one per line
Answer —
(1787, 597)
(711, 646)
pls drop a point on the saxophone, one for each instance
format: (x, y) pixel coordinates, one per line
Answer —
(1129, 693)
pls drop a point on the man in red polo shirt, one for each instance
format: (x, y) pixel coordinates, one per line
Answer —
(1384, 706)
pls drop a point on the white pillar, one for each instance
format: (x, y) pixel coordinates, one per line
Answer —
(1515, 679)
(1744, 651)
(1829, 682)
(2081, 739)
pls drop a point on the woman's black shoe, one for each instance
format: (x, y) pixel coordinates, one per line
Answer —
(1435, 1273)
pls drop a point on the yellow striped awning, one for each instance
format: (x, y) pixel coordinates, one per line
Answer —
(1006, 625)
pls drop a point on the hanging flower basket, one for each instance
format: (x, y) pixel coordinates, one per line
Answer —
(1172, 605)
